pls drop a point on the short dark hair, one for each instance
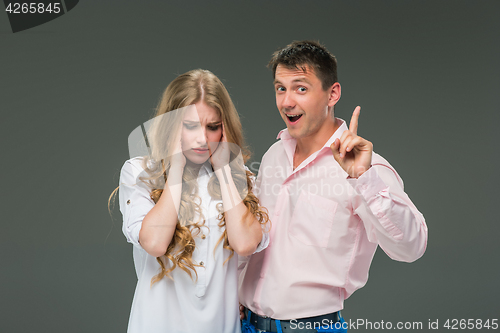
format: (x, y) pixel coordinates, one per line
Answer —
(301, 53)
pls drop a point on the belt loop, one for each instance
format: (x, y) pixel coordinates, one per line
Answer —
(278, 326)
(248, 314)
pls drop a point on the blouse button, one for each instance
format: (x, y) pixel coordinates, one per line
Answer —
(128, 202)
(202, 263)
(203, 236)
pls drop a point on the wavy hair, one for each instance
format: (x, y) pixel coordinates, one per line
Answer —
(188, 89)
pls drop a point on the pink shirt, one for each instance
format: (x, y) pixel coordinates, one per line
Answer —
(325, 230)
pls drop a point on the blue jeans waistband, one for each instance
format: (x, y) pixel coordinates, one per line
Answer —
(332, 322)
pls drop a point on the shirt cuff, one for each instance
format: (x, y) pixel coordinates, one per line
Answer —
(263, 243)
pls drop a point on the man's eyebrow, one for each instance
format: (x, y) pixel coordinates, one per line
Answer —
(300, 79)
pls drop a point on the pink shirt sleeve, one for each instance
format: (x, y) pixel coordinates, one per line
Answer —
(389, 216)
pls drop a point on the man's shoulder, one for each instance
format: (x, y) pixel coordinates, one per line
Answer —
(275, 148)
(379, 161)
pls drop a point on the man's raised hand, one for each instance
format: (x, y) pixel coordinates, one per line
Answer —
(352, 152)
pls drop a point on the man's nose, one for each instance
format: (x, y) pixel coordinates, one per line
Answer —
(288, 102)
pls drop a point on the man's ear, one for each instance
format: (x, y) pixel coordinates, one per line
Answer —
(334, 94)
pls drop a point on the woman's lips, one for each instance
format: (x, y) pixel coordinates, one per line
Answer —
(200, 150)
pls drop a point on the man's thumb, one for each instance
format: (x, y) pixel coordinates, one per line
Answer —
(335, 150)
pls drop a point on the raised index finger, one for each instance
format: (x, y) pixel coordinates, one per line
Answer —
(353, 126)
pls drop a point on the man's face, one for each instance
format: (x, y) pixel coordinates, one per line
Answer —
(302, 102)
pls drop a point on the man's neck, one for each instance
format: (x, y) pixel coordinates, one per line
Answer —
(308, 145)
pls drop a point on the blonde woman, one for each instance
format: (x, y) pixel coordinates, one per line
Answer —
(189, 211)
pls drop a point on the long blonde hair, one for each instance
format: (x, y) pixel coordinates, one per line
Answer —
(187, 89)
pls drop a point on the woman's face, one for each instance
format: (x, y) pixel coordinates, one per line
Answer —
(201, 126)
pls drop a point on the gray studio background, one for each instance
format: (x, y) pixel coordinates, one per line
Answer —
(426, 74)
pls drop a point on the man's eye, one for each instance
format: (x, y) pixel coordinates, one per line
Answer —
(280, 89)
(302, 89)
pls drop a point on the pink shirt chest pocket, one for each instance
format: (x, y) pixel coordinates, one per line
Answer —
(312, 219)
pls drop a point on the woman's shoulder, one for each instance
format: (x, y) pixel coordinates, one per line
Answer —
(135, 163)
(134, 167)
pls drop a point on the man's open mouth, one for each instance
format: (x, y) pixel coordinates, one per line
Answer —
(293, 117)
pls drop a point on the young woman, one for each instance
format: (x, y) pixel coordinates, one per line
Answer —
(189, 211)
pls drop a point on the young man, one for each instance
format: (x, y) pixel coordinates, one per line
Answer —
(331, 201)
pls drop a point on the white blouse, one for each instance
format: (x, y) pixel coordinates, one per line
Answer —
(208, 304)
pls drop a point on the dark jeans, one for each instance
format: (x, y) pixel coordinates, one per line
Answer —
(305, 325)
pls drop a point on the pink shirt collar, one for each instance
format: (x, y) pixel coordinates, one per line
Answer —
(289, 144)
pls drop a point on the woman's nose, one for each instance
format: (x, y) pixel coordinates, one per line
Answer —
(201, 137)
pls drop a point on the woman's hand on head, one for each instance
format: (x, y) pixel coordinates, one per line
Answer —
(178, 160)
(219, 151)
